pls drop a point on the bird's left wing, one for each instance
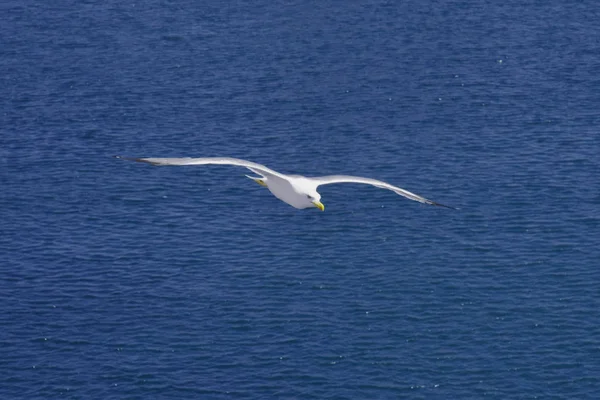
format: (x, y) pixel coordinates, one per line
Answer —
(252, 166)
(326, 180)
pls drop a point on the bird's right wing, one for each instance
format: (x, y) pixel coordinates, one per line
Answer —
(326, 180)
(254, 167)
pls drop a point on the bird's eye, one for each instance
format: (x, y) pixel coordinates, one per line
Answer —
(309, 196)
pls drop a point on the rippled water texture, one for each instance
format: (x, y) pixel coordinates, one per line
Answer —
(122, 280)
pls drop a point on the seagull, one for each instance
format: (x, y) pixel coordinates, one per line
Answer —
(296, 190)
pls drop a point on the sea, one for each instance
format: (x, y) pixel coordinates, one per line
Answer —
(121, 280)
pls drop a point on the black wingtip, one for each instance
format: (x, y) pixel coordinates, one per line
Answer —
(433, 203)
(129, 158)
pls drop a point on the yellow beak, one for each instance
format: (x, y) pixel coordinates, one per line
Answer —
(319, 205)
(260, 182)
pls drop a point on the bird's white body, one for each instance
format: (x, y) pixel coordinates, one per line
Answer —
(296, 190)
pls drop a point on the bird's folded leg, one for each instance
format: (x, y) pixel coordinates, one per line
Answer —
(260, 181)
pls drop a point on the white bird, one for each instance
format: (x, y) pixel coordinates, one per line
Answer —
(296, 190)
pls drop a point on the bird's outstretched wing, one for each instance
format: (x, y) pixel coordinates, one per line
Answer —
(326, 180)
(254, 167)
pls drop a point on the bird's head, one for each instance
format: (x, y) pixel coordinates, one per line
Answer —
(315, 199)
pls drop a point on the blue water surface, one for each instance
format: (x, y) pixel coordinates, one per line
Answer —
(121, 280)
